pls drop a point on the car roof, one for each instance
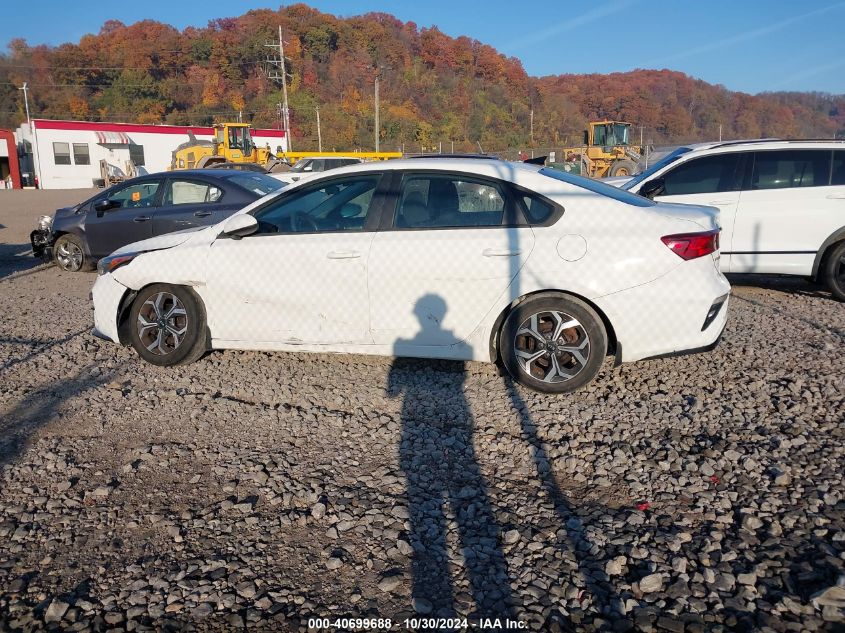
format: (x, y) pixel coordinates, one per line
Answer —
(496, 168)
(765, 143)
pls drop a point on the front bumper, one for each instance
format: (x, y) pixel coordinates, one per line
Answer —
(42, 243)
(107, 295)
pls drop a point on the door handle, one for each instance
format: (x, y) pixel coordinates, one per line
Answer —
(141, 218)
(492, 252)
(202, 214)
(343, 255)
(836, 196)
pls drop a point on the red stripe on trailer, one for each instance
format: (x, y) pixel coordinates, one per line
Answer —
(137, 128)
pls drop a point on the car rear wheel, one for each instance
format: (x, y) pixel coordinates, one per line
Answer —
(834, 271)
(167, 325)
(69, 255)
(553, 343)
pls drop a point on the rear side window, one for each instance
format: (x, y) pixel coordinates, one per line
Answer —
(444, 201)
(536, 211)
(783, 169)
(190, 192)
(708, 174)
(838, 173)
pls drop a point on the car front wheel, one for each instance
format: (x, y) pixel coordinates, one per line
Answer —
(553, 343)
(69, 255)
(167, 325)
(834, 271)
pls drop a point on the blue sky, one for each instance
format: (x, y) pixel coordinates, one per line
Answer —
(747, 45)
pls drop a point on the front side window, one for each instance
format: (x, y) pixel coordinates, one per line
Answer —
(655, 167)
(80, 154)
(142, 194)
(783, 169)
(709, 174)
(190, 192)
(338, 205)
(444, 201)
(61, 153)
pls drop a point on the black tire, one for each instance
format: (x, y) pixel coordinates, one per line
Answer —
(69, 254)
(183, 338)
(833, 274)
(579, 349)
(622, 168)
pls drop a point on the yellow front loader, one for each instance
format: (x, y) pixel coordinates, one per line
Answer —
(232, 144)
(606, 151)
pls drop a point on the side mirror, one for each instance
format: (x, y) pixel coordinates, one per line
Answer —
(101, 206)
(240, 225)
(653, 188)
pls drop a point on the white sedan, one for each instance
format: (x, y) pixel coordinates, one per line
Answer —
(463, 259)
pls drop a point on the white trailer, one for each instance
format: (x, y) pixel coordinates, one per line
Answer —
(67, 154)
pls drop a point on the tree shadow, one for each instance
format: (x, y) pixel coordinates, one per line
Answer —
(38, 346)
(40, 406)
(444, 481)
(17, 258)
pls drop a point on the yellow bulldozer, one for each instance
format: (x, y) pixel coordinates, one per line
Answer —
(232, 144)
(606, 151)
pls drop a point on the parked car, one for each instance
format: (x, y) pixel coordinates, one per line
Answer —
(76, 237)
(306, 167)
(782, 203)
(260, 169)
(437, 258)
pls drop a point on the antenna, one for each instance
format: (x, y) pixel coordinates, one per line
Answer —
(276, 71)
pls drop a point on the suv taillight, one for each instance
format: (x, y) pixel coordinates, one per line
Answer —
(692, 245)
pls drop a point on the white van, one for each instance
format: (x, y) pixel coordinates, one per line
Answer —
(782, 203)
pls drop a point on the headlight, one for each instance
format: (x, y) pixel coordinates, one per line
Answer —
(113, 262)
(45, 222)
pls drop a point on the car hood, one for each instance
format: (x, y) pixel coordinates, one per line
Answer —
(65, 214)
(168, 240)
(704, 216)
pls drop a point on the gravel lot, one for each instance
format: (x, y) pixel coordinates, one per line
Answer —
(701, 493)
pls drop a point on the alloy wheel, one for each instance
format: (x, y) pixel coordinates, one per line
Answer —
(551, 346)
(69, 256)
(162, 323)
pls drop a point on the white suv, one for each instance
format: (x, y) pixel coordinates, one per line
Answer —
(782, 203)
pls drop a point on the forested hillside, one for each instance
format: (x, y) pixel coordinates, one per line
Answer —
(434, 88)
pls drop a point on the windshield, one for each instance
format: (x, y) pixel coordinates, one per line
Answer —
(600, 188)
(300, 165)
(261, 184)
(666, 160)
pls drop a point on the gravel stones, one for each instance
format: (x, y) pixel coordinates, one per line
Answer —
(258, 490)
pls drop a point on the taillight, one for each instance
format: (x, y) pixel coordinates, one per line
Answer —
(692, 245)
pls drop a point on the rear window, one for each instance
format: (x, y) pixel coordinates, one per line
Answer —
(603, 189)
(260, 184)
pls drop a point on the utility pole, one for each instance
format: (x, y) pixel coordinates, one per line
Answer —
(26, 103)
(531, 135)
(641, 137)
(377, 106)
(720, 132)
(282, 75)
(319, 132)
